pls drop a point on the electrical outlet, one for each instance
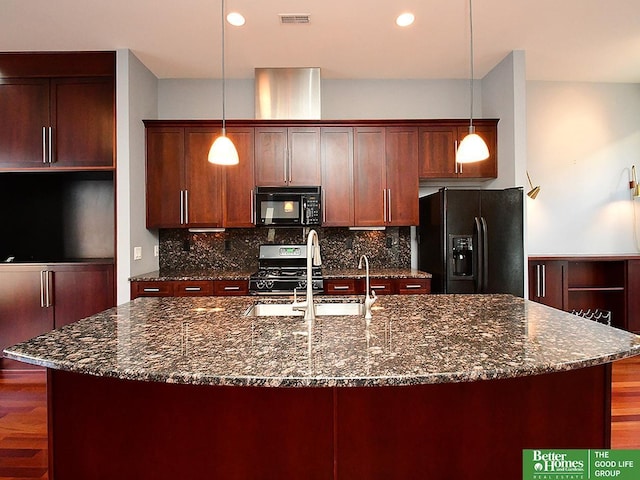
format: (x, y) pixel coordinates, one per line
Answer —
(156, 250)
(227, 245)
(137, 253)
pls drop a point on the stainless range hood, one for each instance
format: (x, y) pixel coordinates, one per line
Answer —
(287, 93)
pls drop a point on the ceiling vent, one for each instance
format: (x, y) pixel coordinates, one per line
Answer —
(294, 18)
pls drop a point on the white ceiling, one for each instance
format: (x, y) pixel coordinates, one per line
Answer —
(572, 40)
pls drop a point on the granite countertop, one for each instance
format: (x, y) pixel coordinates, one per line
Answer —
(416, 339)
(209, 274)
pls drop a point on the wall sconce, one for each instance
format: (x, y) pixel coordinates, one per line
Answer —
(533, 193)
(633, 183)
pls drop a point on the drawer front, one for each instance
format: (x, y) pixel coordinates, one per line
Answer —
(195, 288)
(231, 287)
(411, 286)
(342, 286)
(151, 289)
(382, 286)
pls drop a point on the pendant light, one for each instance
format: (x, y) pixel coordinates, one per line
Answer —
(472, 148)
(223, 151)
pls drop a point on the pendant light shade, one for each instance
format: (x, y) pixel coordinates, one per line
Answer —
(223, 151)
(472, 148)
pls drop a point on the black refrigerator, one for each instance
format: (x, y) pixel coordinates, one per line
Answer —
(471, 241)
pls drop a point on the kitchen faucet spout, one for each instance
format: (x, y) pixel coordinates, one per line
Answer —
(313, 259)
(369, 300)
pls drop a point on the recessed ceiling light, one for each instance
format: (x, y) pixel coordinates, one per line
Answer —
(405, 19)
(236, 19)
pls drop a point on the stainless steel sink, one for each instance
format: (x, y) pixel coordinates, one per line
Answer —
(322, 309)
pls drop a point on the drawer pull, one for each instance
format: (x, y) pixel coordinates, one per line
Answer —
(341, 287)
(192, 289)
(413, 285)
(230, 288)
(378, 287)
(151, 290)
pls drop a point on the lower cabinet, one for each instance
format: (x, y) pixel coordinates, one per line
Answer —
(382, 286)
(188, 288)
(608, 284)
(35, 299)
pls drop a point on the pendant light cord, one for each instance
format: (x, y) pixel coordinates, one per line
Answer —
(471, 64)
(224, 123)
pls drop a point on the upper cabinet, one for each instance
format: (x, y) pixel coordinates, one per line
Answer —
(386, 176)
(287, 156)
(184, 190)
(59, 111)
(337, 176)
(239, 180)
(437, 151)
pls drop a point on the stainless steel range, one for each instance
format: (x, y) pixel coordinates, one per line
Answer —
(281, 268)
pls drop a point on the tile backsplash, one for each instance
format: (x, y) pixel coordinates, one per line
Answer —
(237, 249)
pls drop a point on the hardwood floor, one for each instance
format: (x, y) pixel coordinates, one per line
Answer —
(23, 422)
(23, 425)
(625, 404)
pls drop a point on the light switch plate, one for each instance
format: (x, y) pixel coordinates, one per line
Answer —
(137, 253)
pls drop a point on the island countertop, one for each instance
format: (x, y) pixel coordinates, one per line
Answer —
(411, 340)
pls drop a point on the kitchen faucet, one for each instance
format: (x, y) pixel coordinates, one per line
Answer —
(313, 258)
(368, 300)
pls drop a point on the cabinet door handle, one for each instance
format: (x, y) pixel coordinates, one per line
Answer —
(231, 288)
(151, 290)
(455, 157)
(181, 207)
(252, 207)
(544, 281)
(384, 203)
(324, 206)
(50, 144)
(42, 288)
(44, 144)
(45, 288)
(186, 207)
(538, 289)
(341, 287)
(192, 289)
(389, 204)
(285, 161)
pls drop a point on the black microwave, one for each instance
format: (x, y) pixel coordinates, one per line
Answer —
(287, 206)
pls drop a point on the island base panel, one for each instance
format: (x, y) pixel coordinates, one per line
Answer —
(104, 428)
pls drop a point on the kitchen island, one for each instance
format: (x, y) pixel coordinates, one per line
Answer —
(434, 386)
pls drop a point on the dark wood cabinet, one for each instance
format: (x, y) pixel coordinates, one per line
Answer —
(382, 286)
(165, 174)
(386, 176)
(23, 310)
(203, 181)
(589, 283)
(437, 151)
(56, 120)
(401, 147)
(183, 188)
(548, 282)
(188, 288)
(337, 176)
(239, 180)
(633, 295)
(369, 172)
(287, 156)
(37, 298)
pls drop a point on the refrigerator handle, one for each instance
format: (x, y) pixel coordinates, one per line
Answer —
(485, 255)
(478, 248)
